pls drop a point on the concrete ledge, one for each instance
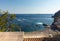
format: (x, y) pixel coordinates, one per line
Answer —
(11, 36)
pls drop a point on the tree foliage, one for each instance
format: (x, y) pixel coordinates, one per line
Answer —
(6, 22)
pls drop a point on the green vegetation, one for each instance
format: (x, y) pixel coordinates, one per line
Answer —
(7, 24)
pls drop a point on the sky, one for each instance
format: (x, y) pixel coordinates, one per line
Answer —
(30, 6)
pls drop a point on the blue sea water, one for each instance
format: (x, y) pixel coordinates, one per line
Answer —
(33, 22)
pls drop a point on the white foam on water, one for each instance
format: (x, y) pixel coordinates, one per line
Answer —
(19, 20)
(39, 23)
(24, 19)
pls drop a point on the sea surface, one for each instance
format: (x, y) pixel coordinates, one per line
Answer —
(33, 22)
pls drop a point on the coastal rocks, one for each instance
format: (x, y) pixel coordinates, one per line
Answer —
(57, 14)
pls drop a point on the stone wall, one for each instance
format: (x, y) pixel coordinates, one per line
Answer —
(11, 36)
(33, 39)
(41, 39)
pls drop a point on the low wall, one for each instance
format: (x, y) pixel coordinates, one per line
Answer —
(11, 36)
(41, 39)
(33, 39)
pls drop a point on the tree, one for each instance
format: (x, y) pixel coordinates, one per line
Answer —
(6, 22)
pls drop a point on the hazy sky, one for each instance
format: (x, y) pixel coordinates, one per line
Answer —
(30, 6)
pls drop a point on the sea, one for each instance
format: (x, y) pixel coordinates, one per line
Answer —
(33, 22)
